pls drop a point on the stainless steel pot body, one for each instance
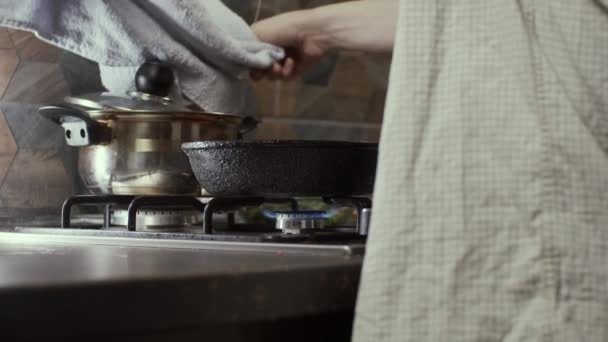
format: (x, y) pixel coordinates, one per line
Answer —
(124, 153)
(145, 156)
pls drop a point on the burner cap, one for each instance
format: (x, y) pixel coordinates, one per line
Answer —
(296, 222)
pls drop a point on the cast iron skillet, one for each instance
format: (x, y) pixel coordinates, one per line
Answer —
(284, 168)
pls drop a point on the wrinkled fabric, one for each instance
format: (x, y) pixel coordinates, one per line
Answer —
(491, 201)
(207, 45)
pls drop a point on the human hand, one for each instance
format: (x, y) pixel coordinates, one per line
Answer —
(304, 46)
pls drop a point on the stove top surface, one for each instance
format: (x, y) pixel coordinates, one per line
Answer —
(321, 243)
(187, 222)
(87, 278)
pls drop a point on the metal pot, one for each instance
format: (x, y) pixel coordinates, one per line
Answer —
(132, 145)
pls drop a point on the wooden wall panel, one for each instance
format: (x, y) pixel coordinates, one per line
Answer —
(8, 148)
(30, 48)
(36, 179)
(5, 39)
(8, 65)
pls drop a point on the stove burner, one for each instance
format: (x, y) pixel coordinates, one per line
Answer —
(298, 222)
(170, 213)
(158, 220)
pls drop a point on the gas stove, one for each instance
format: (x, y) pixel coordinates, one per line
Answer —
(192, 265)
(209, 223)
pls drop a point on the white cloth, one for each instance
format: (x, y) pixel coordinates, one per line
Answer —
(491, 202)
(207, 44)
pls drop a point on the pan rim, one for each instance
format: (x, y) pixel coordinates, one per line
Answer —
(209, 144)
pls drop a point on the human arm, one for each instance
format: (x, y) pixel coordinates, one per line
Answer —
(364, 25)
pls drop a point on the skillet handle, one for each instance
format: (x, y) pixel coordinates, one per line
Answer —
(80, 129)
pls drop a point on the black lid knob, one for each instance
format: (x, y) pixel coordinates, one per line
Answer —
(154, 78)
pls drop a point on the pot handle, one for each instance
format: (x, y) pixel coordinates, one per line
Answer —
(247, 125)
(80, 129)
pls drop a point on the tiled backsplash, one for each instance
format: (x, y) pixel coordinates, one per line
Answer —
(37, 171)
(348, 106)
(341, 99)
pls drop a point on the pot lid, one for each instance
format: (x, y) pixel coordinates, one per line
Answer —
(133, 101)
(154, 82)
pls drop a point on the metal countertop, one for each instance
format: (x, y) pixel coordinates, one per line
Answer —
(55, 285)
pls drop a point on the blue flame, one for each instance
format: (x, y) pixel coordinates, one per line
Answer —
(329, 214)
(269, 214)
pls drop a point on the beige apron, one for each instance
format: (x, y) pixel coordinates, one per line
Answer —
(491, 205)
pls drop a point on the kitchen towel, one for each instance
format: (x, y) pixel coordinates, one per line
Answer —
(207, 44)
(491, 202)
